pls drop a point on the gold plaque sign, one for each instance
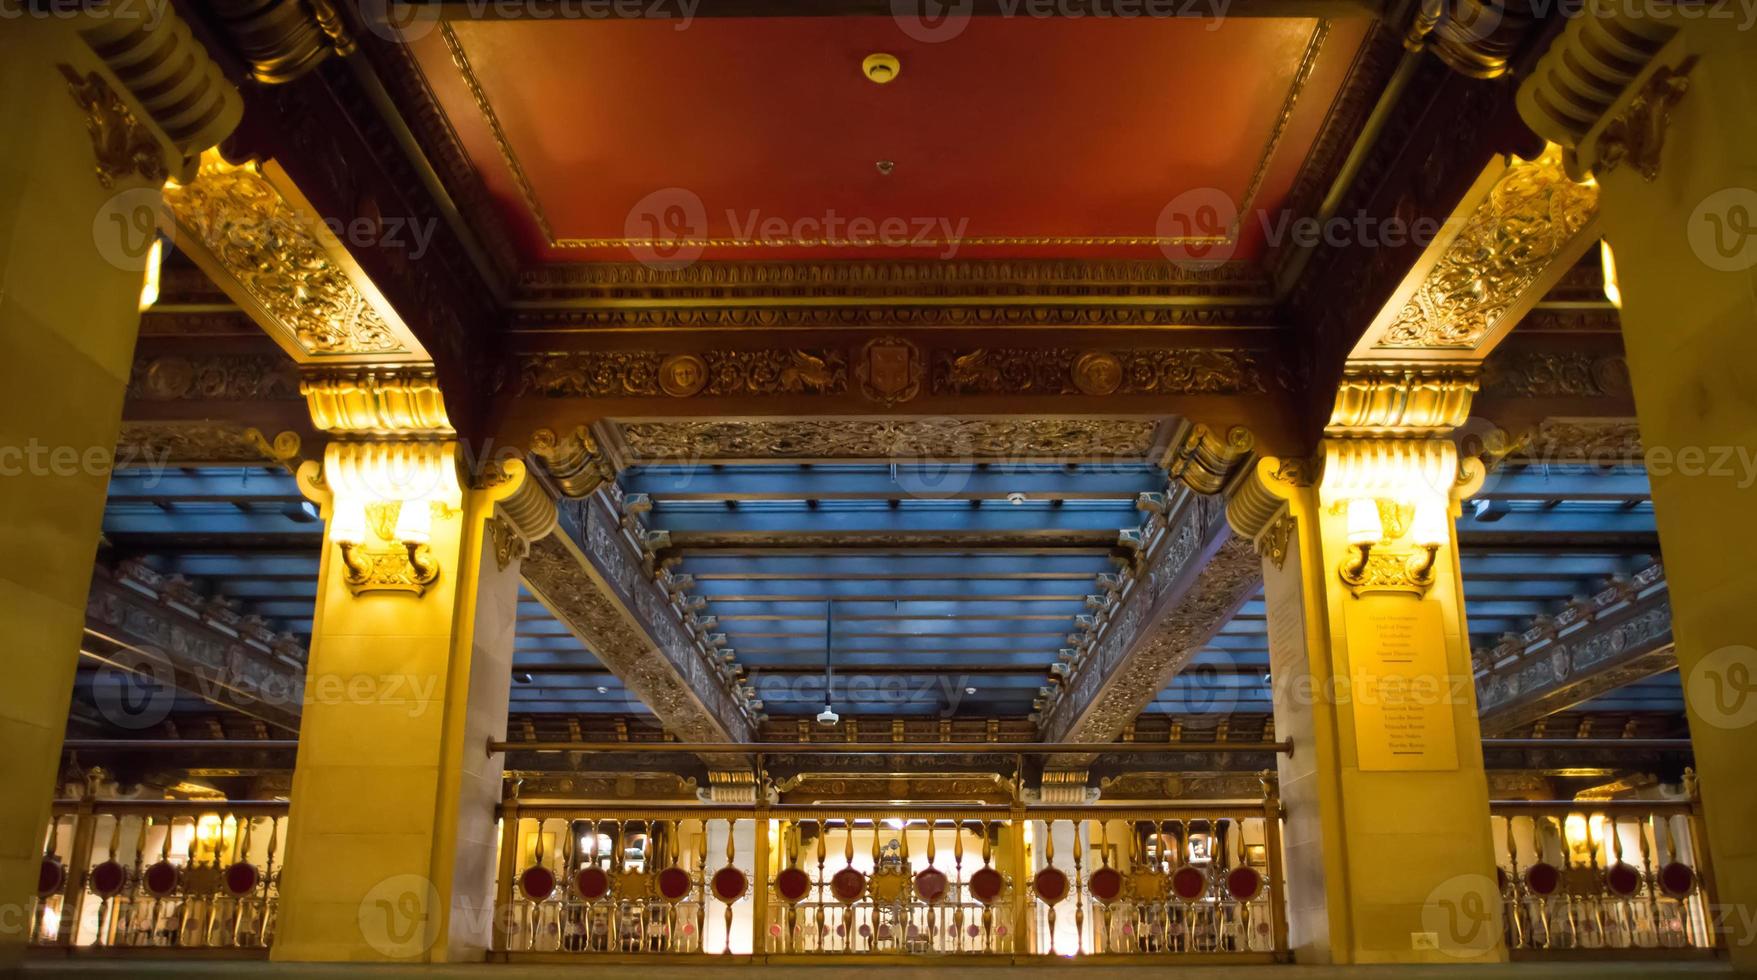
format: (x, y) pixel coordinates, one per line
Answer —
(1400, 688)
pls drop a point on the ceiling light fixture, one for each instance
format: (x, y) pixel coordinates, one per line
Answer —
(828, 716)
(1016, 498)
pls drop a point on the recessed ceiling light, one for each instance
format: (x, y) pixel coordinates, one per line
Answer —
(1016, 498)
(603, 690)
(522, 678)
(970, 690)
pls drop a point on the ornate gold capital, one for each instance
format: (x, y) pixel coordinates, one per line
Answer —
(1206, 460)
(1588, 69)
(376, 401)
(574, 460)
(1389, 399)
(1399, 497)
(381, 502)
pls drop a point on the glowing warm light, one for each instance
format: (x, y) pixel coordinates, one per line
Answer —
(1363, 521)
(1613, 289)
(348, 525)
(415, 522)
(155, 260)
(51, 921)
(1429, 526)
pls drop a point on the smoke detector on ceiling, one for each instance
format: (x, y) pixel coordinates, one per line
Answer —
(881, 68)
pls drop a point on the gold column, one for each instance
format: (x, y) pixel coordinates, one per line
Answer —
(1388, 849)
(391, 850)
(1675, 156)
(80, 166)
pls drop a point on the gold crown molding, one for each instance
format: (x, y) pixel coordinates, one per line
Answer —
(185, 102)
(558, 284)
(282, 40)
(540, 218)
(372, 401)
(1386, 399)
(276, 258)
(943, 439)
(1588, 69)
(193, 443)
(1530, 228)
(1071, 371)
(867, 316)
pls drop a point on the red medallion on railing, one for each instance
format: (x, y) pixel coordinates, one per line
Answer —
(847, 885)
(107, 879)
(537, 883)
(1051, 885)
(242, 878)
(986, 885)
(1622, 879)
(673, 884)
(1106, 885)
(931, 884)
(729, 884)
(1677, 879)
(1244, 883)
(591, 882)
(1543, 879)
(1188, 883)
(161, 879)
(51, 875)
(792, 885)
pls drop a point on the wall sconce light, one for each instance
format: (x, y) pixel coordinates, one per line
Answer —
(1373, 526)
(382, 501)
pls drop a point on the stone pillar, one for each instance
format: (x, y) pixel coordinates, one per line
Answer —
(80, 166)
(391, 837)
(1387, 840)
(1674, 151)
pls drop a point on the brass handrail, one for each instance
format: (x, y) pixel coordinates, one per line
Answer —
(892, 748)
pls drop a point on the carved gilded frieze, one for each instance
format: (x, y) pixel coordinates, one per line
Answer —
(1549, 374)
(281, 264)
(218, 377)
(1068, 371)
(1530, 227)
(653, 374)
(1597, 441)
(942, 439)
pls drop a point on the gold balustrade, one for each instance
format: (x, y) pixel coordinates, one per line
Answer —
(1182, 880)
(137, 874)
(1610, 878)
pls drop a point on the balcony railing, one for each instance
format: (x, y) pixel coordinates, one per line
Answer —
(160, 874)
(1619, 877)
(899, 880)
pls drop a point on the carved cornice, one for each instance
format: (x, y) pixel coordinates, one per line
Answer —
(282, 265)
(1532, 226)
(591, 576)
(145, 620)
(723, 315)
(1600, 442)
(1588, 70)
(1192, 578)
(190, 443)
(573, 460)
(1207, 461)
(945, 439)
(1393, 399)
(1620, 635)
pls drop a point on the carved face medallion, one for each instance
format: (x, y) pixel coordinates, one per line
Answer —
(1098, 373)
(682, 375)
